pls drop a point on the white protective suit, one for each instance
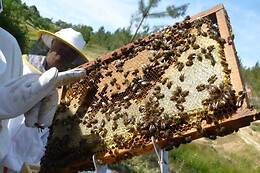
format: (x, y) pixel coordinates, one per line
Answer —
(27, 143)
(10, 67)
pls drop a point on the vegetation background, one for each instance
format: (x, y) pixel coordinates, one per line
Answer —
(235, 153)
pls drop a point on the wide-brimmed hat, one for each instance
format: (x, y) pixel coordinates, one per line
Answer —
(68, 36)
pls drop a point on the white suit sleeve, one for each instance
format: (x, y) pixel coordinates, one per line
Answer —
(20, 94)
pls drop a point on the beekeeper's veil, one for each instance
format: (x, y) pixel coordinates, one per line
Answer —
(69, 36)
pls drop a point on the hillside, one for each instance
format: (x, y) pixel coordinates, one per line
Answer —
(235, 153)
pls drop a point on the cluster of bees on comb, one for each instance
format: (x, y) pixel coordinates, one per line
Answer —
(160, 86)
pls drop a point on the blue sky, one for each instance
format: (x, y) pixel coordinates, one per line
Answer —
(114, 14)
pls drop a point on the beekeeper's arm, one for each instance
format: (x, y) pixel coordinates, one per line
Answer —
(35, 95)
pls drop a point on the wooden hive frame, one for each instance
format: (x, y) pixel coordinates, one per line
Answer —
(242, 117)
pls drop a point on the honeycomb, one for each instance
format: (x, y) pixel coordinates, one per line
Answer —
(162, 86)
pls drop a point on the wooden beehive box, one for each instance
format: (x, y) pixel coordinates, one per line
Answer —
(177, 85)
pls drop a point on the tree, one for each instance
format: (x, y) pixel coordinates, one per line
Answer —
(86, 31)
(118, 39)
(144, 11)
(11, 19)
(100, 37)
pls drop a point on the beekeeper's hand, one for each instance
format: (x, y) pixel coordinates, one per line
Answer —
(35, 95)
(41, 115)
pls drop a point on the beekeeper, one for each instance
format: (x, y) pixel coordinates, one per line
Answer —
(34, 95)
(63, 51)
(18, 93)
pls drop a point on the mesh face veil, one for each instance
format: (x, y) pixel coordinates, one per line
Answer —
(68, 36)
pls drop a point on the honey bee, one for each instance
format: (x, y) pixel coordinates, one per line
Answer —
(130, 129)
(180, 100)
(169, 84)
(210, 48)
(178, 90)
(203, 50)
(145, 83)
(208, 56)
(186, 47)
(157, 88)
(126, 74)
(102, 123)
(227, 70)
(151, 58)
(200, 87)
(179, 66)
(185, 93)
(179, 107)
(114, 125)
(108, 73)
(164, 80)
(224, 63)
(135, 71)
(193, 39)
(203, 33)
(114, 93)
(199, 31)
(123, 50)
(103, 110)
(126, 98)
(181, 77)
(189, 63)
(152, 128)
(104, 88)
(199, 57)
(126, 82)
(222, 86)
(159, 95)
(177, 54)
(113, 81)
(191, 56)
(117, 86)
(114, 53)
(104, 66)
(222, 41)
(213, 61)
(240, 100)
(214, 90)
(241, 92)
(187, 18)
(103, 132)
(119, 69)
(212, 79)
(116, 117)
(154, 63)
(205, 102)
(145, 67)
(195, 46)
(127, 104)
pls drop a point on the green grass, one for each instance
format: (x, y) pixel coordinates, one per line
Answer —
(255, 126)
(198, 158)
(94, 51)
